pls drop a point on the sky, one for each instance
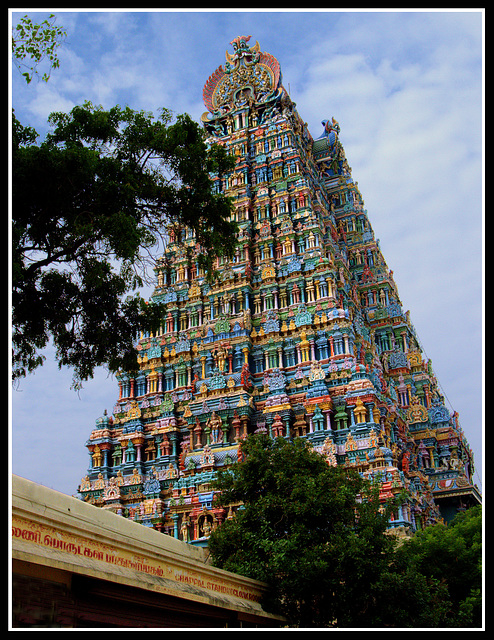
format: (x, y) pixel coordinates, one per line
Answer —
(407, 90)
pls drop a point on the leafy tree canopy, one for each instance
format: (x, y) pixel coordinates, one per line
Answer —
(89, 204)
(449, 559)
(317, 536)
(314, 533)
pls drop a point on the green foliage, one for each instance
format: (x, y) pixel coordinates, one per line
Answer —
(88, 205)
(450, 555)
(31, 43)
(314, 533)
(407, 599)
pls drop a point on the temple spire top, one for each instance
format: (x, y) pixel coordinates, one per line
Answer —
(249, 75)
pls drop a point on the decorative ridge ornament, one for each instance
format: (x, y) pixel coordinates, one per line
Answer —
(250, 76)
(243, 53)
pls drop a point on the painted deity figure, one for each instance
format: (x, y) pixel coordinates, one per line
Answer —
(215, 425)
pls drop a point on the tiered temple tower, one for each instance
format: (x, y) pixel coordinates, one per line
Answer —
(302, 334)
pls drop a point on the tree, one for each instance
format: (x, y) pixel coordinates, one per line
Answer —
(404, 597)
(32, 43)
(314, 533)
(89, 204)
(448, 558)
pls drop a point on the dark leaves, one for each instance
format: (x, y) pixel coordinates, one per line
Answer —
(89, 204)
(315, 533)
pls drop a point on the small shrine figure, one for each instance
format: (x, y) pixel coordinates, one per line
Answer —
(245, 375)
(215, 425)
(329, 452)
(277, 428)
(316, 372)
(85, 484)
(171, 472)
(184, 529)
(100, 482)
(206, 527)
(136, 478)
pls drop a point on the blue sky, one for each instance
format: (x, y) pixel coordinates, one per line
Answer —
(407, 90)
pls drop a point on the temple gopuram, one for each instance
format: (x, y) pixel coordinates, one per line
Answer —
(302, 335)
